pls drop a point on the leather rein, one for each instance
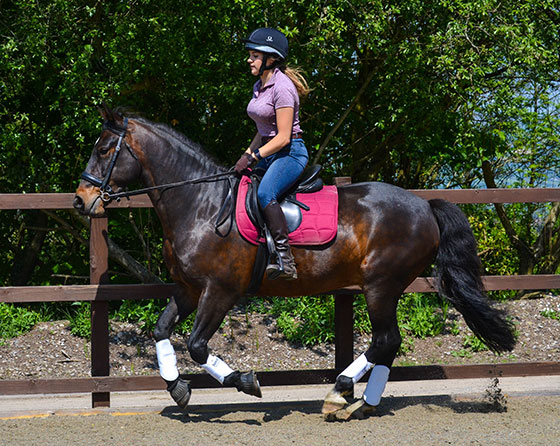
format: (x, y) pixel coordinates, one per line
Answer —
(106, 192)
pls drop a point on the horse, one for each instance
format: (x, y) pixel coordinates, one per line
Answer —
(386, 237)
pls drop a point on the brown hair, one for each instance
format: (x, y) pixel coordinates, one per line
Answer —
(296, 76)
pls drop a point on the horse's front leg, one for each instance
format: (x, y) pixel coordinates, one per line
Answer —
(213, 307)
(176, 310)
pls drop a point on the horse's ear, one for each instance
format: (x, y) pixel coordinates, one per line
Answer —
(105, 112)
(109, 115)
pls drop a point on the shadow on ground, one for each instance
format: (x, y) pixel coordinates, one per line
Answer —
(266, 412)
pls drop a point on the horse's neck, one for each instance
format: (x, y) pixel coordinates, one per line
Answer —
(167, 161)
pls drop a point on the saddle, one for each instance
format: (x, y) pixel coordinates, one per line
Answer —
(308, 182)
(311, 211)
(310, 208)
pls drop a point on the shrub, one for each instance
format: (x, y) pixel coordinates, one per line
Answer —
(421, 315)
(16, 320)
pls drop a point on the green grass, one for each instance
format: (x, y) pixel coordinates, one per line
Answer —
(16, 320)
(79, 316)
(471, 344)
(551, 314)
(421, 315)
(309, 320)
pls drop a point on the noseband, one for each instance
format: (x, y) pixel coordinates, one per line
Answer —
(103, 184)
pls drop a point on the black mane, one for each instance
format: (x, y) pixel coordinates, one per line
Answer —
(177, 140)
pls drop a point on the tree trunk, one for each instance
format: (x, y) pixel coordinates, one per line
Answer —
(26, 258)
(546, 246)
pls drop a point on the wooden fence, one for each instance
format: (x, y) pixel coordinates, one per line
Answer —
(100, 292)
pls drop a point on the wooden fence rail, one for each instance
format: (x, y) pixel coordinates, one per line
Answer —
(100, 292)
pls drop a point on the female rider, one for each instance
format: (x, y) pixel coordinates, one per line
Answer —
(277, 147)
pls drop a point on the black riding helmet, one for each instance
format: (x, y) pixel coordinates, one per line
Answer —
(270, 42)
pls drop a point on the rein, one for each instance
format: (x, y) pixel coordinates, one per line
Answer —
(223, 213)
(107, 196)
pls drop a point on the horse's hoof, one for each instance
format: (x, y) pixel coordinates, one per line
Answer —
(249, 384)
(180, 392)
(334, 401)
(359, 410)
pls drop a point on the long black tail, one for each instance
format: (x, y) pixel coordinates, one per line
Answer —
(458, 271)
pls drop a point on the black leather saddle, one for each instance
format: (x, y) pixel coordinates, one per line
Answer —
(308, 182)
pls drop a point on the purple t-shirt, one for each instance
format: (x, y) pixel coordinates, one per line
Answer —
(279, 92)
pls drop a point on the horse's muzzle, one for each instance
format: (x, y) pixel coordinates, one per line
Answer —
(79, 205)
(87, 201)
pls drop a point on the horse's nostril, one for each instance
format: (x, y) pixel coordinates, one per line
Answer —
(78, 203)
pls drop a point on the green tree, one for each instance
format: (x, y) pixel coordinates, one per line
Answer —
(417, 93)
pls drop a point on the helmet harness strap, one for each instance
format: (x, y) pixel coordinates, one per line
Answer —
(264, 67)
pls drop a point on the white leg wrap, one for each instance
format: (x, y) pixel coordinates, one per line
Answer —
(167, 361)
(217, 368)
(376, 385)
(358, 368)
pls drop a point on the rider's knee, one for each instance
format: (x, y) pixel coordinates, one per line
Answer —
(264, 197)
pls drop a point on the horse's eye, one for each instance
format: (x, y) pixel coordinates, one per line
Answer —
(104, 150)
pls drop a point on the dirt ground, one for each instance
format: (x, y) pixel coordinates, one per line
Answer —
(252, 341)
(399, 421)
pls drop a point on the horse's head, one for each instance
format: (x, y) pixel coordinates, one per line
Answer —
(111, 166)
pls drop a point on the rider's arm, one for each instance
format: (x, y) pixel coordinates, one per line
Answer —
(255, 144)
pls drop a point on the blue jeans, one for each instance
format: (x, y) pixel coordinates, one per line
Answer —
(282, 170)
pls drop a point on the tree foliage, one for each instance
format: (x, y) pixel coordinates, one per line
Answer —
(416, 93)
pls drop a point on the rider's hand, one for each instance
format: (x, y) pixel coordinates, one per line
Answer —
(244, 163)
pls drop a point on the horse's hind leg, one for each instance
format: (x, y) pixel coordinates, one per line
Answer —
(176, 310)
(386, 340)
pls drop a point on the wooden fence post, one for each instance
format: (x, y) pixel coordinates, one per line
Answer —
(343, 317)
(99, 266)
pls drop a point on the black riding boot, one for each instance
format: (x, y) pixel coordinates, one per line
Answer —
(276, 222)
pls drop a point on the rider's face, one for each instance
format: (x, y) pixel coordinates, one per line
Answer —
(255, 61)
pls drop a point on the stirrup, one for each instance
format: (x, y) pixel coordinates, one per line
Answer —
(274, 271)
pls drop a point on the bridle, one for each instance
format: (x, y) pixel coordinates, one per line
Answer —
(105, 189)
(106, 192)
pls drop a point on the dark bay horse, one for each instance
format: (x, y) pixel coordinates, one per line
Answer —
(386, 237)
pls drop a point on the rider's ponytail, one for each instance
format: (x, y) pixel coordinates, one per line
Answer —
(296, 76)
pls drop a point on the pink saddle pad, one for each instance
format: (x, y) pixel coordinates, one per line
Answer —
(318, 225)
